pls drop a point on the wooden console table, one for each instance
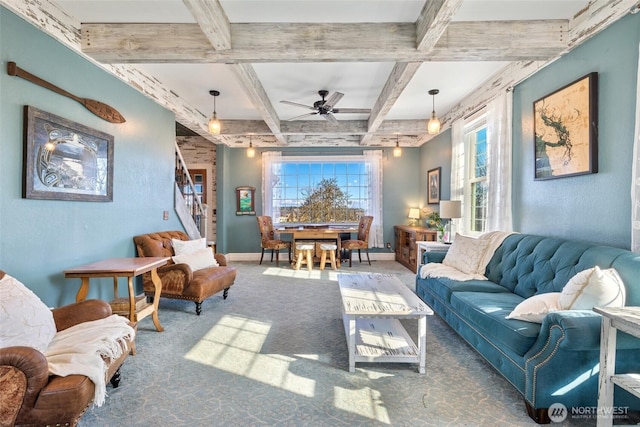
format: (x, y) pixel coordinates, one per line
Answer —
(405, 243)
(123, 267)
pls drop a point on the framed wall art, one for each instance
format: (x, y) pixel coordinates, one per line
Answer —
(64, 160)
(245, 201)
(433, 186)
(565, 130)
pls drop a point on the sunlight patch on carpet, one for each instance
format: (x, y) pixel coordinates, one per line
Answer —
(364, 401)
(233, 345)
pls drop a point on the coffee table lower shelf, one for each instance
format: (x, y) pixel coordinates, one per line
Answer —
(380, 340)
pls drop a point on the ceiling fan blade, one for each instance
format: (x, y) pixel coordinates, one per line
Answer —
(351, 110)
(295, 104)
(301, 116)
(333, 100)
(330, 118)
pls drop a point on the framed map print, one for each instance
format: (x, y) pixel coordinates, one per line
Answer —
(565, 130)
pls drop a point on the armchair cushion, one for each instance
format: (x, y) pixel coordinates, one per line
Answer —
(197, 260)
(182, 247)
(24, 319)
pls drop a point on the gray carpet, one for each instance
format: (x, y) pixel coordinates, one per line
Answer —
(274, 354)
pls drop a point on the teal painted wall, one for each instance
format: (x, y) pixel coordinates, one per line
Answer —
(41, 238)
(436, 154)
(593, 207)
(239, 234)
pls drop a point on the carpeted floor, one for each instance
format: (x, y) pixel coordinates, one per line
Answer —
(274, 354)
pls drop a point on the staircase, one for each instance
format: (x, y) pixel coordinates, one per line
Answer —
(191, 212)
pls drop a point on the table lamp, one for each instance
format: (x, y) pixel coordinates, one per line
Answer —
(450, 209)
(414, 215)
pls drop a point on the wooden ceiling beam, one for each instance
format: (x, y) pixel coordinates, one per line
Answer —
(213, 21)
(389, 128)
(255, 91)
(434, 19)
(291, 42)
(397, 81)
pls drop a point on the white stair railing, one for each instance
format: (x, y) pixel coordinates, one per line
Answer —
(191, 211)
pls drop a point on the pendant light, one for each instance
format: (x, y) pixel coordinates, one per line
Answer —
(433, 127)
(397, 151)
(214, 123)
(251, 152)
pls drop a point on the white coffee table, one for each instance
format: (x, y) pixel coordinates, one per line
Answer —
(372, 306)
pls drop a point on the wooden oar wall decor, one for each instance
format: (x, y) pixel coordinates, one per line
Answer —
(98, 108)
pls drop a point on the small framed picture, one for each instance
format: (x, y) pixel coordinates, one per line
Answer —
(433, 186)
(245, 200)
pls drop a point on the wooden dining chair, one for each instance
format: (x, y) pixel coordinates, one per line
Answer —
(268, 240)
(362, 241)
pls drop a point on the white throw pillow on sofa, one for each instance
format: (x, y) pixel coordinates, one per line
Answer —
(465, 254)
(593, 287)
(24, 319)
(202, 258)
(535, 308)
(181, 247)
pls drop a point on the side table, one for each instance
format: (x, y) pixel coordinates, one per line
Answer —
(424, 246)
(123, 267)
(626, 319)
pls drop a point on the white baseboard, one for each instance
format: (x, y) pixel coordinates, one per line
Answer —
(244, 256)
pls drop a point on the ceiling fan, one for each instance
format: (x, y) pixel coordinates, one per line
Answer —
(325, 107)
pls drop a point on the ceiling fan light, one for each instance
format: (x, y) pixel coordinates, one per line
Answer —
(433, 127)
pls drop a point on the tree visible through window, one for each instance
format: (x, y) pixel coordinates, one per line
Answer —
(319, 191)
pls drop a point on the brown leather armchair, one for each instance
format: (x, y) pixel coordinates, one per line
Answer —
(178, 280)
(30, 396)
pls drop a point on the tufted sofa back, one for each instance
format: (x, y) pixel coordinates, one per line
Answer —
(157, 244)
(528, 264)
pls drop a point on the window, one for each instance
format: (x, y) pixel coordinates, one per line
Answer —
(475, 182)
(320, 190)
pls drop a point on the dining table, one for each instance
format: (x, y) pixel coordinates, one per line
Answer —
(314, 232)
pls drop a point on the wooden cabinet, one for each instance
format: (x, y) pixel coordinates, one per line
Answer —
(405, 243)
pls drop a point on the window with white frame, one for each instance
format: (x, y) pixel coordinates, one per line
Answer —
(475, 175)
(326, 190)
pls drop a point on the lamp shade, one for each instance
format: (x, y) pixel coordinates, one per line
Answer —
(450, 209)
(414, 213)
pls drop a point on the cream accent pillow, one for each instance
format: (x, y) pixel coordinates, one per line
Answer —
(201, 258)
(181, 247)
(465, 254)
(535, 308)
(24, 319)
(593, 287)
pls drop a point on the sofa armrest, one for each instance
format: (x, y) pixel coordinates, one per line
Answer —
(30, 362)
(174, 277)
(222, 259)
(79, 312)
(435, 256)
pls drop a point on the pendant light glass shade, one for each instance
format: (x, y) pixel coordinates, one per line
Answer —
(214, 123)
(433, 126)
(397, 151)
(251, 152)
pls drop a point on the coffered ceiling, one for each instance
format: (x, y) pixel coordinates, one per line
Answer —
(384, 56)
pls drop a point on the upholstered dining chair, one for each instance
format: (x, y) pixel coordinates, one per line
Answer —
(362, 242)
(267, 240)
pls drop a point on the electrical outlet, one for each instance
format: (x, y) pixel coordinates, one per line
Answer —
(388, 245)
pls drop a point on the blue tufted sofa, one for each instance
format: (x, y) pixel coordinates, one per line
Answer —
(553, 362)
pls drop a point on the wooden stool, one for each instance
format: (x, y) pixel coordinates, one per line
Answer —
(304, 253)
(331, 248)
